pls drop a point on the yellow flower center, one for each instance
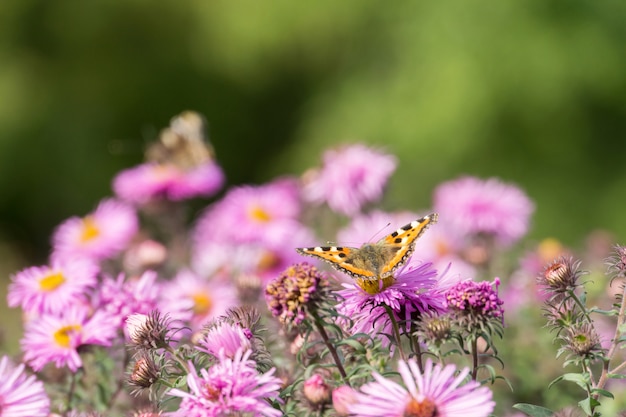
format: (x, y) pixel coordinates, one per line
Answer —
(90, 229)
(268, 261)
(202, 304)
(63, 337)
(377, 286)
(51, 281)
(257, 213)
(424, 408)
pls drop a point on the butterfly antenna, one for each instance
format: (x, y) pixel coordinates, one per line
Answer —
(379, 232)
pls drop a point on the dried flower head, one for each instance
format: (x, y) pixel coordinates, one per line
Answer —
(148, 331)
(582, 341)
(434, 328)
(145, 372)
(560, 275)
(616, 263)
(299, 289)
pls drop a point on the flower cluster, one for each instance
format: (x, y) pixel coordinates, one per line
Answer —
(218, 315)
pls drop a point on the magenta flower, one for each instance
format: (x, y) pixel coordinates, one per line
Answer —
(123, 296)
(476, 302)
(195, 300)
(48, 289)
(152, 182)
(350, 177)
(231, 387)
(21, 395)
(413, 289)
(99, 235)
(251, 214)
(224, 340)
(57, 338)
(473, 206)
(436, 391)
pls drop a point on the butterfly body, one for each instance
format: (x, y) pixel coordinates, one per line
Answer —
(374, 261)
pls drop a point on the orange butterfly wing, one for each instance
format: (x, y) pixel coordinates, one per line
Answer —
(337, 256)
(374, 261)
(402, 242)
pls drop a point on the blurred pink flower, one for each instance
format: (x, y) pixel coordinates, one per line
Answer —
(471, 206)
(196, 300)
(149, 182)
(230, 387)
(436, 389)
(251, 214)
(45, 289)
(57, 338)
(21, 395)
(350, 177)
(99, 235)
(124, 296)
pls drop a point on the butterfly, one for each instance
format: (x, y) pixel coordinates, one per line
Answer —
(184, 143)
(374, 261)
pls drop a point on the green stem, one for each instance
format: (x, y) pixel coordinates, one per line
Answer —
(621, 316)
(474, 351)
(320, 328)
(396, 330)
(70, 392)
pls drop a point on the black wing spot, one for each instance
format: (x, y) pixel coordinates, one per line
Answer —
(398, 240)
(394, 234)
(407, 227)
(342, 255)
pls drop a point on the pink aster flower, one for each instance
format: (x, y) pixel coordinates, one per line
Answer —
(413, 289)
(231, 387)
(225, 339)
(350, 177)
(151, 182)
(57, 338)
(195, 300)
(99, 235)
(46, 289)
(124, 296)
(21, 395)
(251, 213)
(473, 206)
(436, 391)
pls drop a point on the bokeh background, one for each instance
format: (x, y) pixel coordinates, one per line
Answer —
(532, 91)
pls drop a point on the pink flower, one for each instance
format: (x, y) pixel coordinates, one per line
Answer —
(437, 389)
(57, 338)
(350, 177)
(224, 340)
(46, 289)
(195, 300)
(251, 214)
(413, 289)
(99, 235)
(151, 182)
(472, 206)
(124, 296)
(231, 387)
(21, 395)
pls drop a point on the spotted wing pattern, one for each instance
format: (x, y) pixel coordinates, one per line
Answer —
(374, 261)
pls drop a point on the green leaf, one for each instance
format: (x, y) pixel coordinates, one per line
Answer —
(617, 376)
(579, 379)
(533, 410)
(603, 312)
(603, 392)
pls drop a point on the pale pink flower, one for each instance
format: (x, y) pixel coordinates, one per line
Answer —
(21, 395)
(44, 289)
(99, 235)
(57, 338)
(350, 177)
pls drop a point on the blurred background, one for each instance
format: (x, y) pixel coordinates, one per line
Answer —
(532, 92)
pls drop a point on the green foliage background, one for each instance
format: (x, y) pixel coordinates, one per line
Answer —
(531, 91)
